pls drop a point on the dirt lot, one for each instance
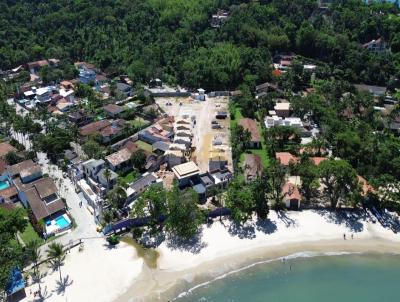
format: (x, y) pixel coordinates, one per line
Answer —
(208, 142)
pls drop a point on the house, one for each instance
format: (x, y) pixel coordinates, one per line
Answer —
(378, 46)
(218, 19)
(252, 166)
(317, 160)
(252, 126)
(86, 75)
(67, 85)
(183, 140)
(124, 89)
(108, 130)
(113, 110)
(15, 170)
(163, 130)
(34, 67)
(282, 109)
(285, 158)
(9, 195)
(217, 163)
(184, 172)
(67, 94)
(291, 195)
(376, 91)
(221, 178)
(174, 157)
(92, 166)
(140, 185)
(95, 173)
(6, 148)
(43, 94)
(160, 147)
(263, 89)
(155, 83)
(274, 120)
(80, 118)
(120, 160)
(43, 199)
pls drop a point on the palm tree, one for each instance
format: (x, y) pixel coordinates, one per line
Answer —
(56, 254)
(107, 175)
(34, 256)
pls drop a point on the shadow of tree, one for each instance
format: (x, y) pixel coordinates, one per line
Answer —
(242, 231)
(289, 222)
(266, 226)
(62, 285)
(44, 295)
(350, 219)
(193, 245)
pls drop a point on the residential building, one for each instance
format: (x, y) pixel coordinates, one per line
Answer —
(163, 130)
(120, 160)
(67, 94)
(184, 173)
(6, 148)
(282, 109)
(107, 129)
(87, 75)
(80, 118)
(34, 67)
(274, 120)
(252, 126)
(43, 94)
(95, 173)
(140, 185)
(92, 166)
(285, 158)
(174, 157)
(378, 46)
(291, 194)
(218, 19)
(113, 110)
(124, 89)
(376, 91)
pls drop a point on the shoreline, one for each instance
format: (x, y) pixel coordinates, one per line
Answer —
(177, 272)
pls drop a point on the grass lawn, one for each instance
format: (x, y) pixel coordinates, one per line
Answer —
(139, 122)
(29, 234)
(237, 117)
(130, 177)
(145, 146)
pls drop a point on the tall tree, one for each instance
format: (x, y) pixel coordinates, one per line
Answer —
(56, 253)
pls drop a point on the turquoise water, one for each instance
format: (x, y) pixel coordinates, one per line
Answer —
(4, 185)
(62, 222)
(323, 278)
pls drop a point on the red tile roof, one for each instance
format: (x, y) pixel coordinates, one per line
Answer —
(285, 158)
(6, 148)
(94, 127)
(291, 191)
(317, 160)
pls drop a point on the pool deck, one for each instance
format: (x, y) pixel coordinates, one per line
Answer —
(54, 227)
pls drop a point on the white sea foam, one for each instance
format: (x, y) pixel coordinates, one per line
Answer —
(305, 254)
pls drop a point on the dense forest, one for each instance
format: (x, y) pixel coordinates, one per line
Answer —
(173, 39)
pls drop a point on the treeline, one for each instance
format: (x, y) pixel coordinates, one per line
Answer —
(173, 39)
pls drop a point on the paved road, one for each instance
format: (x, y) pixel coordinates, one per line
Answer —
(86, 227)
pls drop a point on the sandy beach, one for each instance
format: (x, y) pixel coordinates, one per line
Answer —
(120, 275)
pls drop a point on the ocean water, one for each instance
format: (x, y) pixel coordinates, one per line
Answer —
(366, 278)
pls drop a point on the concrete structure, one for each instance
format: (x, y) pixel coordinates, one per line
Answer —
(140, 185)
(184, 172)
(282, 109)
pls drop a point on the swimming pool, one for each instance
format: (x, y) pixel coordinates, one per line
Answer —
(62, 222)
(4, 185)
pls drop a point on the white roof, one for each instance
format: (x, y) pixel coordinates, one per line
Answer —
(29, 93)
(186, 170)
(282, 106)
(42, 90)
(64, 93)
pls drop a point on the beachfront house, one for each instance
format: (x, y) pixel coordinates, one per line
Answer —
(141, 184)
(291, 193)
(185, 172)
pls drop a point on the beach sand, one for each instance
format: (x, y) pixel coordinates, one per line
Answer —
(223, 248)
(120, 275)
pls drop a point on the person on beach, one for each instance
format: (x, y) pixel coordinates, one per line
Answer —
(344, 236)
(352, 237)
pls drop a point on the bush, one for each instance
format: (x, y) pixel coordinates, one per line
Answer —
(113, 239)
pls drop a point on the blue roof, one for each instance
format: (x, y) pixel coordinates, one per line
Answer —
(16, 282)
